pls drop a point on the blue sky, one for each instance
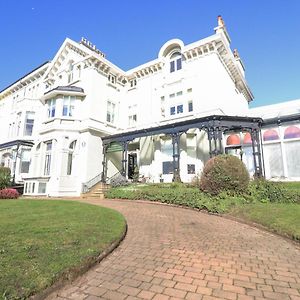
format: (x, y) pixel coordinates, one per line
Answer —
(265, 32)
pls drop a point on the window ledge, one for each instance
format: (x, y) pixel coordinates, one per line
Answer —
(132, 88)
(113, 85)
(63, 118)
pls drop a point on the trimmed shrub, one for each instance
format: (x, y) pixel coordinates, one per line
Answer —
(224, 173)
(4, 177)
(178, 194)
(118, 181)
(9, 194)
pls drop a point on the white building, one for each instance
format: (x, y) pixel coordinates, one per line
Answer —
(167, 116)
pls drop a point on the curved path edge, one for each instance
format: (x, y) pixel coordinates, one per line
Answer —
(173, 253)
(72, 275)
(253, 224)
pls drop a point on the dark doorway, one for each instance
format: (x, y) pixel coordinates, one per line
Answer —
(132, 163)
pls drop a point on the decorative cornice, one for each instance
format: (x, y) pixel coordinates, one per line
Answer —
(230, 63)
(148, 70)
(25, 80)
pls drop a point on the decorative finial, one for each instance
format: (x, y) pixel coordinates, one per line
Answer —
(221, 28)
(221, 22)
(236, 53)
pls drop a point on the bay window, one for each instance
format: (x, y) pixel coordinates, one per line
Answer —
(51, 108)
(68, 106)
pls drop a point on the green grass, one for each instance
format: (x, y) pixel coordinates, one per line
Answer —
(283, 218)
(42, 240)
(293, 185)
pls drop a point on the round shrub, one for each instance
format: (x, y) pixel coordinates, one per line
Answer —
(9, 194)
(224, 173)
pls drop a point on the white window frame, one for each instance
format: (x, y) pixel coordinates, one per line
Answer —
(132, 115)
(175, 62)
(112, 78)
(28, 127)
(71, 157)
(51, 108)
(110, 112)
(48, 155)
(68, 106)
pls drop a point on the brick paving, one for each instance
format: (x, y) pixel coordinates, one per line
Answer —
(174, 253)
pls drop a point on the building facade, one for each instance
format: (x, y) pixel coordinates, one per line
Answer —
(79, 118)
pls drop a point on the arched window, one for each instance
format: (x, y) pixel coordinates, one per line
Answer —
(292, 132)
(6, 160)
(247, 138)
(71, 157)
(233, 139)
(270, 135)
(175, 61)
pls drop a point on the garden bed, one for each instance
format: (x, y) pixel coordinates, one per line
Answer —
(273, 205)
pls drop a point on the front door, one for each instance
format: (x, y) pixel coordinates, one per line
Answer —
(132, 164)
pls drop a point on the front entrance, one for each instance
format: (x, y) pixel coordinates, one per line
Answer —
(132, 164)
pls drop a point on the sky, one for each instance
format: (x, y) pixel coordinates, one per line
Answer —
(131, 32)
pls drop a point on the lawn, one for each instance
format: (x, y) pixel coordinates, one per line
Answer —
(283, 218)
(43, 240)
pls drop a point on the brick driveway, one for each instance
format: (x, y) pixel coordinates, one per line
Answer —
(175, 253)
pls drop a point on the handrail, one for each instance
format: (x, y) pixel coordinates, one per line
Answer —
(116, 175)
(86, 187)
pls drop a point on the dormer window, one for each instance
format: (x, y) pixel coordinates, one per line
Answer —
(175, 62)
(132, 83)
(112, 78)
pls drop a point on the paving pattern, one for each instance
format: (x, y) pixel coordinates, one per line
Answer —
(176, 253)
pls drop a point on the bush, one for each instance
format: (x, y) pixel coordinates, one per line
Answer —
(175, 193)
(4, 177)
(118, 181)
(268, 191)
(224, 173)
(9, 194)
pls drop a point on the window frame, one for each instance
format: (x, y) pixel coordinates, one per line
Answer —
(190, 106)
(110, 111)
(51, 108)
(28, 126)
(48, 156)
(175, 62)
(70, 106)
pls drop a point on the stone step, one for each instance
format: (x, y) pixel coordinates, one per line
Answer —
(97, 191)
